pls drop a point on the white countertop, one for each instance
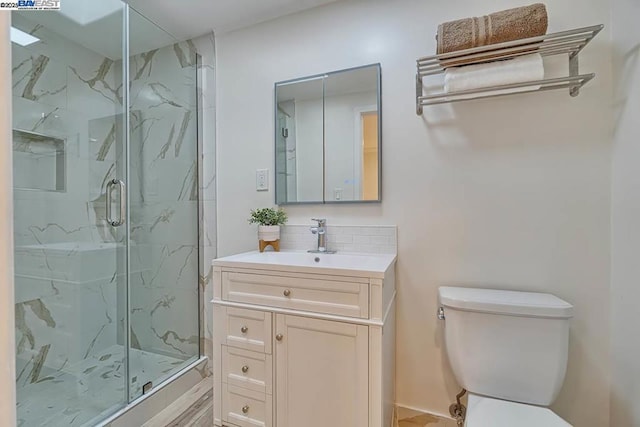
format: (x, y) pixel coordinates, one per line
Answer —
(341, 263)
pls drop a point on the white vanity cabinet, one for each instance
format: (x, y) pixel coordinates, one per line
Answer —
(322, 372)
(300, 343)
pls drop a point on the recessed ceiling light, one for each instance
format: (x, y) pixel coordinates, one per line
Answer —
(22, 38)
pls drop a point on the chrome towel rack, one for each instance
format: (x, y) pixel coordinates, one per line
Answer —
(565, 42)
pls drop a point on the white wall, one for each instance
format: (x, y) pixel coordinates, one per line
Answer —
(7, 356)
(511, 193)
(625, 285)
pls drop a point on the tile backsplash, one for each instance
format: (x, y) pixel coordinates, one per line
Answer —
(367, 239)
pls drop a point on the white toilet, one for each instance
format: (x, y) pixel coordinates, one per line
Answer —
(509, 350)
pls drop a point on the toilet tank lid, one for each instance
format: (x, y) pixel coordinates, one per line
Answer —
(514, 303)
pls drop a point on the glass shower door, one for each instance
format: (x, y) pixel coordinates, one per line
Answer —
(70, 214)
(163, 192)
(105, 149)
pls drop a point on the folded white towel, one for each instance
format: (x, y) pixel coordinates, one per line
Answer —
(518, 70)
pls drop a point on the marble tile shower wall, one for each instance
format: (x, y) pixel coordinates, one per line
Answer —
(165, 199)
(68, 305)
(163, 192)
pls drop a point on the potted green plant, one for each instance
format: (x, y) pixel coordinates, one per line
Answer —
(269, 221)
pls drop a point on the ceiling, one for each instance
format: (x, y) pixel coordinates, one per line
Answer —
(187, 19)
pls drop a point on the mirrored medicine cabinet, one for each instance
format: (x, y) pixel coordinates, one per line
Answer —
(328, 137)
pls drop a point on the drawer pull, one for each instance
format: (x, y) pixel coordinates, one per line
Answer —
(279, 337)
(245, 409)
(245, 369)
(287, 292)
(244, 329)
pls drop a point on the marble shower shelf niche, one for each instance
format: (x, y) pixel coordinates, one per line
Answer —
(40, 162)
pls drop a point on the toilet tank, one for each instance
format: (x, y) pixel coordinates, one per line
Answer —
(506, 344)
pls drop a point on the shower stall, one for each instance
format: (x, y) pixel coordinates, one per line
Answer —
(105, 146)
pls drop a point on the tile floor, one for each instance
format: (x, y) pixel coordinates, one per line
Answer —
(195, 409)
(411, 418)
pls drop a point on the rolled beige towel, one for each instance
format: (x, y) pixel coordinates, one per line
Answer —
(512, 24)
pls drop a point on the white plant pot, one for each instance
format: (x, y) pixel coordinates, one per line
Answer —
(269, 233)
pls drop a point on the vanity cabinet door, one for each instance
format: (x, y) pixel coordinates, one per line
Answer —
(322, 372)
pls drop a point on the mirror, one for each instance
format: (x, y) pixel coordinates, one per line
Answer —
(328, 137)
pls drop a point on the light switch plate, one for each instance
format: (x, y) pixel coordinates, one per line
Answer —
(337, 193)
(262, 179)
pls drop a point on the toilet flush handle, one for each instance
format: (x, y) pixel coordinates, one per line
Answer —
(441, 313)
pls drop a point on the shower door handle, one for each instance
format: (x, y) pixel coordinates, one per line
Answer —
(123, 211)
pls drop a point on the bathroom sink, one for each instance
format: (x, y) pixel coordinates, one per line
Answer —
(353, 264)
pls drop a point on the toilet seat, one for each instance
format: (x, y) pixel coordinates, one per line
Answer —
(488, 412)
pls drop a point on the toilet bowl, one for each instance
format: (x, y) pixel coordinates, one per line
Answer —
(509, 350)
(488, 412)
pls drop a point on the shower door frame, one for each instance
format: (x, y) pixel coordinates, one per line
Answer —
(131, 402)
(123, 262)
(7, 280)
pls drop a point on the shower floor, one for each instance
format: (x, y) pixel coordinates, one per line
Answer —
(83, 394)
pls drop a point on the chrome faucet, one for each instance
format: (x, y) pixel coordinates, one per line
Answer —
(321, 231)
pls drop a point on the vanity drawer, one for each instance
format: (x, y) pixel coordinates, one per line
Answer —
(247, 369)
(246, 408)
(343, 298)
(247, 329)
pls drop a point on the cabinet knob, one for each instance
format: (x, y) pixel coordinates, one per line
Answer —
(279, 337)
(245, 369)
(245, 409)
(244, 329)
(287, 292)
